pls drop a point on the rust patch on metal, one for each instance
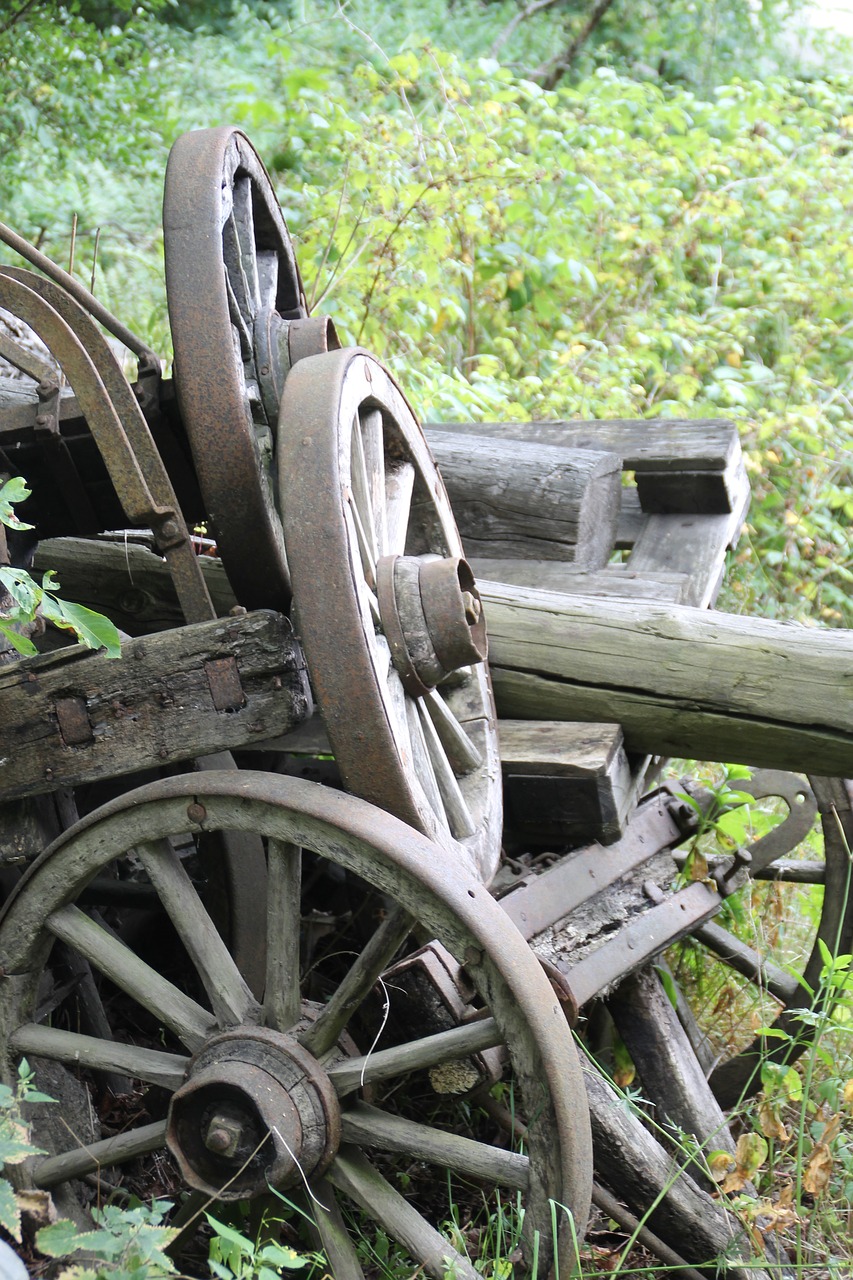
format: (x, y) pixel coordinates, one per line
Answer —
(74, 724)
(225, 687)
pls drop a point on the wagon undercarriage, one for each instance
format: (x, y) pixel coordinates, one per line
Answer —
(284, 896)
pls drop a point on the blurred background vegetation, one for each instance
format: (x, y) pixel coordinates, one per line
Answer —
(664, 232)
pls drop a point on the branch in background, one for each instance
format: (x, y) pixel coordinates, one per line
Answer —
(552, 71)
(16, 16)
(534, 7)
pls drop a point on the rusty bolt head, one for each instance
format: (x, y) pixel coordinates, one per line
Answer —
(169, 529)
(196, 812)
(223, 1136)
(42, 420)
(472, 608)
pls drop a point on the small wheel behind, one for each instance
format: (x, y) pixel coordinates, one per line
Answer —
(385, 605)
(268, 1092)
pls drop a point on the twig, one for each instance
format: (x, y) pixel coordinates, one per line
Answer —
(551, 72)
(16, 17)
(509, 30)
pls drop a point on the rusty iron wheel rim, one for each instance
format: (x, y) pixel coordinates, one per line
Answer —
(228, 255)
(446, 900)
(740, 1077)
(346, 428)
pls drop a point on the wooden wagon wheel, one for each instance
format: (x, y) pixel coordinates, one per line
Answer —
(386, 608)
(262, 1092)
(740, 1076)
(238, 317)
(674, 1060)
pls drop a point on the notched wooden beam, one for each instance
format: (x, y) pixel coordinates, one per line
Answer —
(74, 716)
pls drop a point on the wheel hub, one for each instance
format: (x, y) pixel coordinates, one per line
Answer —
(256, 1110)
(432, 617)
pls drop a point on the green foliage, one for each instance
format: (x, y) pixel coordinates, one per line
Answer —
(29, 598)
(234, 1256)
(15, 1143)
(126, 1244)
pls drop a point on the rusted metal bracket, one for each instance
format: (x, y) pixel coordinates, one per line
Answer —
(540, 901)
(115, 421)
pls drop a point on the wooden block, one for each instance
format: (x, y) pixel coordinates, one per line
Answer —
(75, 716)
(564, 782)
(692, 544)
(517, 499)
(645, 445)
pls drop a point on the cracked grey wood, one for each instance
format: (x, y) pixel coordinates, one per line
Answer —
(282, 997)
(155, 705)
(519, 499)
(379, 1130)
(357, 1178)
(99, 1155)
(151, 1065)
(415, 1055)
(680, 681)
(231, 1000)
(188, 1020)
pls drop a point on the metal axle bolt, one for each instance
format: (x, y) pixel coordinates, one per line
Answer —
(223, 1136)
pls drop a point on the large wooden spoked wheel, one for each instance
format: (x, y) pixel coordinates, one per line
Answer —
(231, 282)
(265, 1092)
(740, 1076)
(388, 617)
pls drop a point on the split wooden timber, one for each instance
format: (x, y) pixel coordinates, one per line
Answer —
(531, 501)
(680, 681)
(74, 716)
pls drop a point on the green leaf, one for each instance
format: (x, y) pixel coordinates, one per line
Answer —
(10, 1214)
(60, 1239)
(14, 490)
(91, 629)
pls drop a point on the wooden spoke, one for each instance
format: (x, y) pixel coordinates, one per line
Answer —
(368, 558)
(422, 765)
(399, 485)
(231, 999)
(357, 1178)
(463, 755)
(331, 1232)
(323, 1034)
(100, 1155)
(458, 814)
(793, 872)
(373, 449)
(189, 1021)
(769, 977)
(362, 489)
(370, 1127)
(238, 319)
(150, 1065)
(244, 225)
(415, 1055)
(282, 999)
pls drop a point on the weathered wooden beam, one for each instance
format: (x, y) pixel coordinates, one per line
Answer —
(74, 716)
(680, 681)
(521, 499)
(125, 581)
(635, 1166)
(613, 580)
(681, 464)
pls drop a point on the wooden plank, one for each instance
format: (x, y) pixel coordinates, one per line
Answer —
(680, 681)
(564, 782)
(644, 444)
(125, 581)
(517, 499)
(613, 580)
(692, 544)
(74, 716)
